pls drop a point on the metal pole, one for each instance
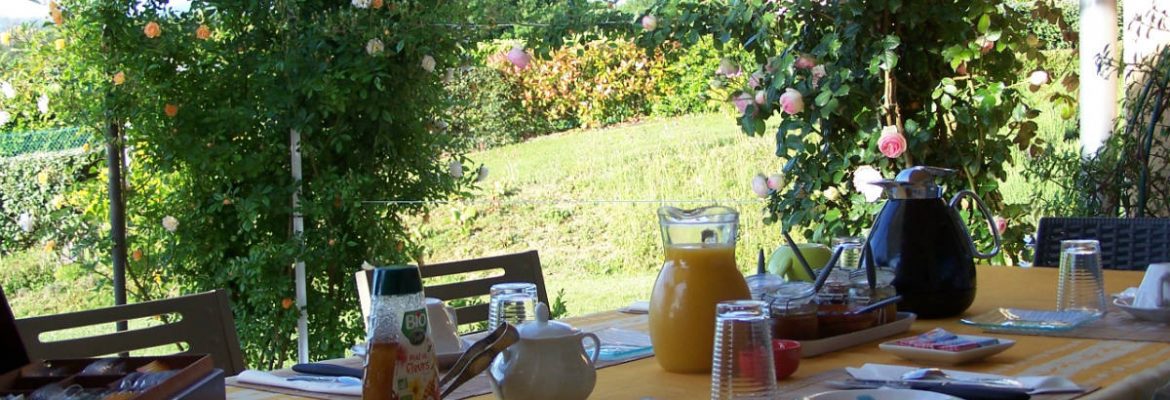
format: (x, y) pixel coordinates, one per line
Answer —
(298, 231)
(115, 184)
(117, 213)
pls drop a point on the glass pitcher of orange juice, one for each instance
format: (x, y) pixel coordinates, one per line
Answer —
(699, 272)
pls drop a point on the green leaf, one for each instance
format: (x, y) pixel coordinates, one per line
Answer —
(823, 98)
(984, 23)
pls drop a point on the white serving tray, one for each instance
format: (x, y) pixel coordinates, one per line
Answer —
(811, 348)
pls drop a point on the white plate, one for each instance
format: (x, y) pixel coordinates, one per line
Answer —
(880, 394)
(947, 357)
(1148, 314)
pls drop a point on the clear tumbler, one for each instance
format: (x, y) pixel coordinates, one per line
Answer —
(742, 366)
(1082, 286)
(513, 302)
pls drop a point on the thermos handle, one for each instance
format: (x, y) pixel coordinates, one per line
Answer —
(986, 214)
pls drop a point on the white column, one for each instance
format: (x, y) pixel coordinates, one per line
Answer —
(294, 138)
(1098, 97)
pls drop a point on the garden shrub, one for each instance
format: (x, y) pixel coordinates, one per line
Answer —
(683, 80)
(865, 89)
(487, 110)
(208, 99)
(35, 185)
(586, 83)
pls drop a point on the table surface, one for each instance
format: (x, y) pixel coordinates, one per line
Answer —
(1124, 369)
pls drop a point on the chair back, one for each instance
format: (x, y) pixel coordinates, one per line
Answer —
(517, 267)
(10, 344)
(205, 325)
(1126, 243)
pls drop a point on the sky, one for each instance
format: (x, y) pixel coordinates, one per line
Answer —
(13, 12)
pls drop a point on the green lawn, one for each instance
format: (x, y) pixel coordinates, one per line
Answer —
(563, 196)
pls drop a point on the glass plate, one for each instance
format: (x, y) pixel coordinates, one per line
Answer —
(1024, 319)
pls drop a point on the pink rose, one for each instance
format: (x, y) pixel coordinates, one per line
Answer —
(728, 68)
(1038, 77)
(760, 185)
(649, 22)
(775, 181)
(742, 101)
(519, 57)
(986, 46)
(755, 80)
(791, 102)
(863, 178)
(892, 143)
(761, 97)
(818, 72)
(1000, 224)
(806, 62)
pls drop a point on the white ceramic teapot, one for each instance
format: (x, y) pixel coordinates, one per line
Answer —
(549, 362)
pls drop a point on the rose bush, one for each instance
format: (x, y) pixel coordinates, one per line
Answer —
(945, 76)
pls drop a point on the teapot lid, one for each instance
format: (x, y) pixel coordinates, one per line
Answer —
(542, 328)
(916, 182)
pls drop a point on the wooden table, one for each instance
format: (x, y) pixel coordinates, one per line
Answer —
(1124, 369)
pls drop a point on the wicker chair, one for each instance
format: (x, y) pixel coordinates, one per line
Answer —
(1126, 243)
(517, 267)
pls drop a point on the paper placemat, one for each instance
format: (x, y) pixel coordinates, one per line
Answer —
(1115, 325)
(474, 387)
(809, 386)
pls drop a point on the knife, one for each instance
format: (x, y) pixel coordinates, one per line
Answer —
(964, 391)
(327, 370)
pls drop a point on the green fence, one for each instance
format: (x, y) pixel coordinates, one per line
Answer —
(18, 143)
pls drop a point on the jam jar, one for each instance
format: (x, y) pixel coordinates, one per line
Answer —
(793, 311)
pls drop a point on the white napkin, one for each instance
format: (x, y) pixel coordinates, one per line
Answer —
(267, 379)
(1035, 384)
(637, 307)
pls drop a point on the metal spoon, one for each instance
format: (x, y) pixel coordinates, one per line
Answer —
(923, 374)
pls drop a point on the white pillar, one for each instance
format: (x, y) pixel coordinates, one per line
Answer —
(294, 138)
(1098, 97)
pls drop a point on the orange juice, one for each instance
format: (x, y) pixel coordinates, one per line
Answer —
(682, 305)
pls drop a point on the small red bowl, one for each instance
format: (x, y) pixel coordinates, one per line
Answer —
(786, 355)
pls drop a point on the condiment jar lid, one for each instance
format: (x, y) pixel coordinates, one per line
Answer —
(791, 295)
(763, 284)
(885, 277)
(397, 280)
(542, 328)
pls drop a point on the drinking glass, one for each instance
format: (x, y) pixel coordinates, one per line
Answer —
(513, 302)
(850, 257)
(1081, 287)
(742, 366)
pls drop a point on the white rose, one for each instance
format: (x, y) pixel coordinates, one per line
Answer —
(455, 169)
(171, 224)
(1038, 77)
(43, 104)
(4, 117)
(482, 174)
(831, 194)
(863, 178)
(760, 185)
(7, 90)
(374, 46)
(428, 63)
(26, 222)
(361, 3)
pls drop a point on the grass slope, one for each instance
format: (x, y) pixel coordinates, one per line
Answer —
(566, 196)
